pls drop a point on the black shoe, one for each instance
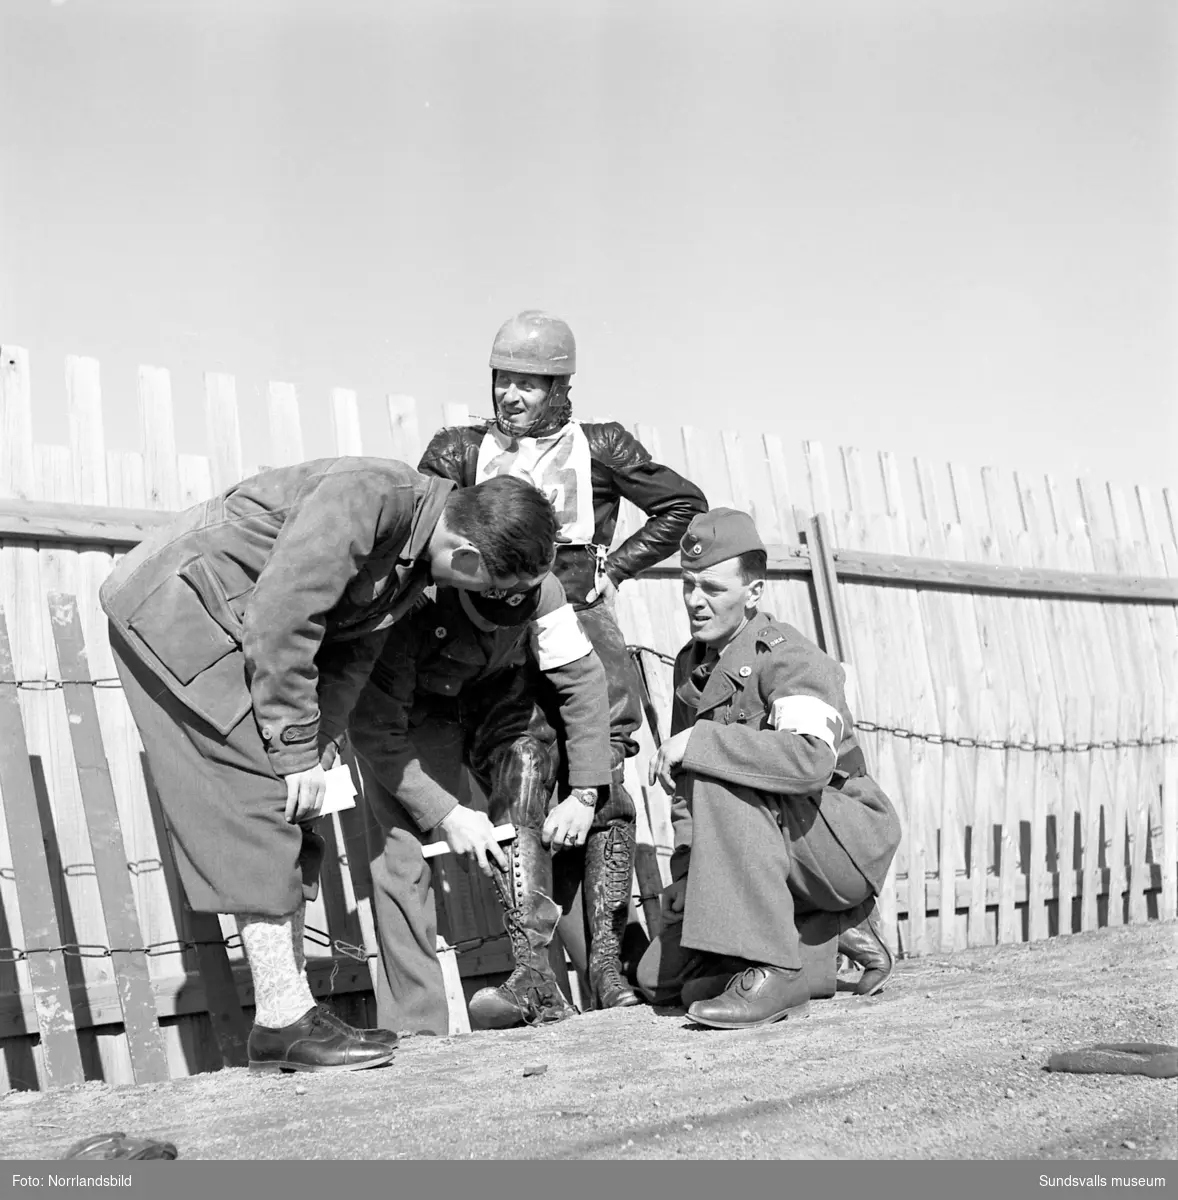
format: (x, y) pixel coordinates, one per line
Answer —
(863, 943)
(757, 996)
(313, 1043)
(386, 1037)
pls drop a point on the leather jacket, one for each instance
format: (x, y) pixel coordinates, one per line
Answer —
(622, 468)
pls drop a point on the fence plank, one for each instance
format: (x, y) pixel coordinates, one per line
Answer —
(286, 430)
(159, 438)
(1169, 839)
(1018, 788)
(989, 782)
(62, 1061)
(223, 430)
(407, 444)
(345, 421)
(63, 798)
(954, 726)
(106, 840)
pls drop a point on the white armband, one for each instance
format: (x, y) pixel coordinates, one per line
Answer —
(808, 715)
(558, 639)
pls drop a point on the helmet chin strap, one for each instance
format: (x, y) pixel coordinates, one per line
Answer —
(538, 427)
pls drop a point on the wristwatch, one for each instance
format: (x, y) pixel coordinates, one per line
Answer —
(586, 796)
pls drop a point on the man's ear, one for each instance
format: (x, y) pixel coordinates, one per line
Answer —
(756, 591)
(467, 560)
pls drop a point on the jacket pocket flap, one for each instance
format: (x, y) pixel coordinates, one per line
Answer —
(179, 631)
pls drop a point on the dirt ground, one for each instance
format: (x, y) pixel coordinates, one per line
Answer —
(946, 1063)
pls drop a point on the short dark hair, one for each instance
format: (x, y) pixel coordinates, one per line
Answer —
(509, 522)
(754, 564)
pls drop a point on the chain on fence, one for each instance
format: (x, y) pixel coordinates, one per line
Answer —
(318, 937)
(970, 742)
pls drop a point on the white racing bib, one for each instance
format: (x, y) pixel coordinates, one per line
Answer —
(558, 465)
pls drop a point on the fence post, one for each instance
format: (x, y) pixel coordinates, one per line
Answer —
(148, 1060)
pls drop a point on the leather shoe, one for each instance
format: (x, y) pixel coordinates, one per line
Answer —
(715, 973)
(759, 995)
(313, 1043)
(385, 1036)
(861, 940)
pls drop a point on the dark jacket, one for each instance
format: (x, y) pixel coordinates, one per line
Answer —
(438, 655)
(621, 469)
(278, 595)
(770, 682)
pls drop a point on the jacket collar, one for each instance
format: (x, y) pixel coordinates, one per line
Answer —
(726, 679)
(426, 513)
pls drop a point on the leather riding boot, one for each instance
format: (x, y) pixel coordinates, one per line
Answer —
(759, 995)
(861, 940)
(609, 866)
(531, 994)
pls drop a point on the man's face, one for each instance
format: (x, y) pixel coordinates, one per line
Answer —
(718, 601)
(520, 399)
(467, 571)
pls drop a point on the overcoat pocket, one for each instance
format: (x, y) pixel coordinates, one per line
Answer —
(179, 630)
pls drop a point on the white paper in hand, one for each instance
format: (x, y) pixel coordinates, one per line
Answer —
(341, 792)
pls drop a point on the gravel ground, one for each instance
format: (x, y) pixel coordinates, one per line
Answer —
(947, 1063)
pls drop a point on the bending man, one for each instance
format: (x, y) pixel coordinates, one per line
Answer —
(243, 633)
(459, 687)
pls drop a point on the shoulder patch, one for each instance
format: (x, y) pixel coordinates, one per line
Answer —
(776, 641)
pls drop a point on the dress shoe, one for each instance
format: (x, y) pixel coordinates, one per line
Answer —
(861, 940)
(385, 1036)
(712, 976)
(759, 995)
(313, 1043)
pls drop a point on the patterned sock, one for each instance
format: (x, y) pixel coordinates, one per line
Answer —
(281, 992)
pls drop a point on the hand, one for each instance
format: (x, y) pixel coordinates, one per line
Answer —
(471, 833)
(328, 753)
(305, 791)
(603, 588)
(568, 823)
(666, 761)
(673, 897)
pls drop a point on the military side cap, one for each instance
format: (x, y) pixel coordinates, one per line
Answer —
(717, 535)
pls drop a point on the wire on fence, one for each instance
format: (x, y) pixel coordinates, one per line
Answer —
(55, 685)
(976, 743)
(318, 937)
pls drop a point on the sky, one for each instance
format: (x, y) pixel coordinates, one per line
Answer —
(945, 230)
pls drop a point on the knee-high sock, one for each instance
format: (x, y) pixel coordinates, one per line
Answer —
(281, 992)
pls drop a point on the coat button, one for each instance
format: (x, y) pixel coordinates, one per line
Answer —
(266, 734)
(745, 672)
(440, 632)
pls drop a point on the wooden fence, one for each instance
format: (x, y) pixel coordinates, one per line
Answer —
(1012, 654)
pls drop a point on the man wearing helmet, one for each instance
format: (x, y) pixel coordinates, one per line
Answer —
(458, 685)
(586, 470)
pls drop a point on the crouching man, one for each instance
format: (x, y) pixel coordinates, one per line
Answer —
(782, 841)
(503, 687)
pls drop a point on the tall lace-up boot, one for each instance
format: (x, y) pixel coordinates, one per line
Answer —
(609, 867)
(531, 994)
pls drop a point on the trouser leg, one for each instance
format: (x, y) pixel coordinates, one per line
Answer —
(411, 991)
(754, 860)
